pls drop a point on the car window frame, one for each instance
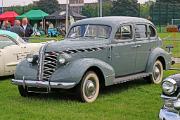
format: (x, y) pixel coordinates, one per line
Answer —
(12, 39)
(111, 29)
(149, 31)
(122, 41)
(141, 39)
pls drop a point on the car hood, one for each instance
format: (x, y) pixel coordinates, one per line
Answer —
(69, 44)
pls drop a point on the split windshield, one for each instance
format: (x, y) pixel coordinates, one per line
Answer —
(91, 31)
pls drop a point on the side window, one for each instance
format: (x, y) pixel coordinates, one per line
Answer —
(124, 33)
(152, 31)
(141, 31)
(5, 41)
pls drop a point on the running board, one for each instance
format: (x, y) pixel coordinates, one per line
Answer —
(130, 78)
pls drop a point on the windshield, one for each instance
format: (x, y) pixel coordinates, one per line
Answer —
(94, 31)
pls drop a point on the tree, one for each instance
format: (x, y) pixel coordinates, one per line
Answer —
(91, 10)
(48, 6)
(125, 8)
(168, 1)
(21, 9)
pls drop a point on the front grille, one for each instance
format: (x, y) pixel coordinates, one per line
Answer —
(50, 65)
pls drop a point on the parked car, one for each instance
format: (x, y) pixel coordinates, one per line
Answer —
(13, 50)
(96, 52)
(171, 98)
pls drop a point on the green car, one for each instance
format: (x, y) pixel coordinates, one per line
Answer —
(96, 52)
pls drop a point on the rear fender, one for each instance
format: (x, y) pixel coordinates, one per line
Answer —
(155, 54)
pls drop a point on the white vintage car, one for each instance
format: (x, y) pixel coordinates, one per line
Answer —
(13, 50)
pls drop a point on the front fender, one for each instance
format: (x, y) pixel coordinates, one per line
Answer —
(74, 71)
(26, 71)
(155, 54)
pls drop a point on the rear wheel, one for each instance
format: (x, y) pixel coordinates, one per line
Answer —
(157, 74)
(23, 91)
(89, 87)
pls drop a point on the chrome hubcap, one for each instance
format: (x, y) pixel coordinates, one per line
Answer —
(90, 89)
(157, 72)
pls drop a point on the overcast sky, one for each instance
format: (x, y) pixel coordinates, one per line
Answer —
(25, 2)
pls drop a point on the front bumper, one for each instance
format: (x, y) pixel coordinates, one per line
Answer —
(44, 84)
(167, 115)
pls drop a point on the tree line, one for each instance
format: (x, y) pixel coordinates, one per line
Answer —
(110, 8)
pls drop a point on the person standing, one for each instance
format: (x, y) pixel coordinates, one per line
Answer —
(27, 28)
(6, 25)
(18, 29)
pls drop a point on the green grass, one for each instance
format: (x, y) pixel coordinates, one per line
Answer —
(137, 100)
(170, 41)
(45, 39)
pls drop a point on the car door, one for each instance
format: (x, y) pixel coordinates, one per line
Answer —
(123, 51)
(143, 47)
(12, 54)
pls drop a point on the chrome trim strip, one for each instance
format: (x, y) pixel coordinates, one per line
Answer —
(41, 62)
(166, 115)
(44, 84)
(167, 97)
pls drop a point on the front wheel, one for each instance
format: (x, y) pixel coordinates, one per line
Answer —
(23, 91)
(89, 87)
(157, 74)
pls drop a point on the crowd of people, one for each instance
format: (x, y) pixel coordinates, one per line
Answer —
(22, 28)
(25, 30)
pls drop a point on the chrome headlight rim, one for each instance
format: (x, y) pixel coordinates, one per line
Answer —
(32, 58)
(29, 58)
(61, 60)
(64, 58)
(173, 83)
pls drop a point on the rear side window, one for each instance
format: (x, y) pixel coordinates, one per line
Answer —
(141, 31)
(5, 41)
(152, 31)
(124, 33)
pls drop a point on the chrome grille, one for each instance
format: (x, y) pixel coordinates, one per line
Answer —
(50, 65)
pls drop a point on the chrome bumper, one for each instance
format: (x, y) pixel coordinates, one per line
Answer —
(166, 115)
(43, 84)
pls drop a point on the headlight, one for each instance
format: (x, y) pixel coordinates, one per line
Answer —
(32, 58)
(64, 58)
(61, 60)
(169, 86)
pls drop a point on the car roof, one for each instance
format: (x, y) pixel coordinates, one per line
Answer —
(113, 20)
(10, 34)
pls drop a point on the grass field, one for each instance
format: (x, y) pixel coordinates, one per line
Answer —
(137, 100)
(170, 41)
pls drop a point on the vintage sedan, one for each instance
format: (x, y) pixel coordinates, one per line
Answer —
(13, 50)
(171, 98)
(96, 52)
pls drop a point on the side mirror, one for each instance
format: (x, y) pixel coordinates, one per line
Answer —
(170, 47)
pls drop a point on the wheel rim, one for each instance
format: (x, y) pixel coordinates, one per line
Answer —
(90, 88)
(157, 72)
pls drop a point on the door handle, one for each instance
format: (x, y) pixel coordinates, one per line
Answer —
(136, 46)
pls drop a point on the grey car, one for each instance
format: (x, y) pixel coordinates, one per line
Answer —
(171, 98)
(96, 52)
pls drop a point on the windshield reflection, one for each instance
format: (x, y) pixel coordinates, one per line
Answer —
(90, 31)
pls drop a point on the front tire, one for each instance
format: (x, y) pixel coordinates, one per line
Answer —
(157, 74)
(89, 87)
(23, 91)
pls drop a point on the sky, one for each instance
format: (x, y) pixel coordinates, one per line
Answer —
(25, 2)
